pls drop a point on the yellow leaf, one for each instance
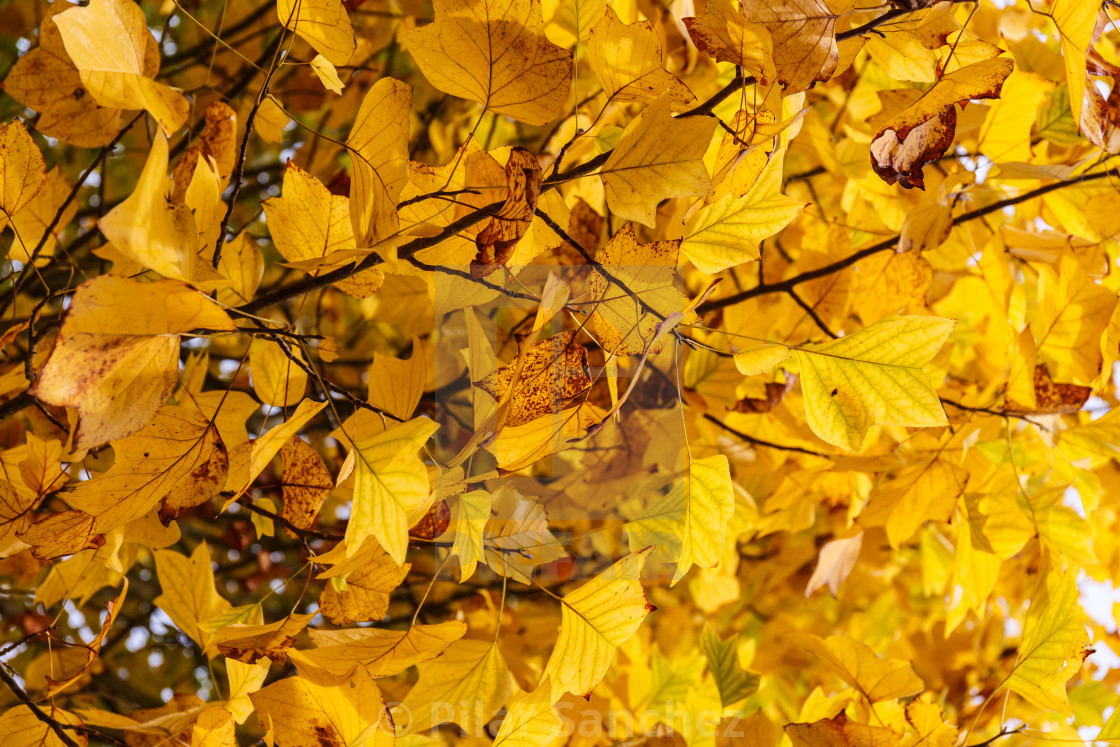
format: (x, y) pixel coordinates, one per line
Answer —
(596, 619)
(873, 376)
(840, 732)
(836, 560)
(1073, 313)
(689, 525)
(724, 34)
(1076, 20)
(30, 224)
(530, 720)
(467, 53)
(271, 121)
(91, 649)
(252, 642)
(876, 679)
(109, 42)
(307, 222)
(517, 539)
(803, 35)
(1006, 135)
(189, 596)
(21, 727)
(466, 686)
(327, 74)
(396, 385)
(149, 229)
(120, 341)
(214, 728)
(1053, 645)
(22, 171)
(380, 652)
(390, 487)
(242, 265)
(365, 597)
(626, 324)
(251, 457)
(469, 514)
(928, 721)
(656, 158)
(46, 80)
(902, 56)
(277, 379)
(629, 63)
(244, 680)
(727, 233)
(303, 712)
(379, 160)
(323, 23)
(760, 358)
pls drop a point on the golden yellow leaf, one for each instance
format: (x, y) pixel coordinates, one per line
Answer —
(304, 712)
(396, 385)
(46, 80)
(323, 23)
(471, 677)
(469, 515)
(1076, 22)
(307, 222)
(657, 157)
(327, 74)
(242, 265)
(378, 142)
(876, 679)
(21, 727)
(244, 680)
(277, 379)
(727, 233)
(108, 41)
(390, 486)
(189, 597)
(149, 229)
(1052, 647)
(214, 728)
(30, 224)
(873, 376)
(803, 37)
(689, 524)
(493, 52)
(596, 619)
(217, 142)
(380, 652)
(725, 34)
(924, 131)
(840, 732)
(365, 595)
(530, 720)
(120, 339)
(253, 642)
(22, 171)
(517, 539)
(835, 562)
(1073, 313)
(629, 63)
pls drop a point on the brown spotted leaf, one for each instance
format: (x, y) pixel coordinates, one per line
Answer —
(363, 595)
(250, 643)
(552, 373)
(1051, 397)
(305, 482)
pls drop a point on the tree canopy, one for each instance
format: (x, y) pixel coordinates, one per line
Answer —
(542, 372)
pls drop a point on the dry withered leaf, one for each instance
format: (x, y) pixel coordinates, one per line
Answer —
(305, 482)
(925, 130)
(496, 242)
(434, 523)
(1051, 397)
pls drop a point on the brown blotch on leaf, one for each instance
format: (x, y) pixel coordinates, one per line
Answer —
(305, 483)
(1051, 397)
(496, 242)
